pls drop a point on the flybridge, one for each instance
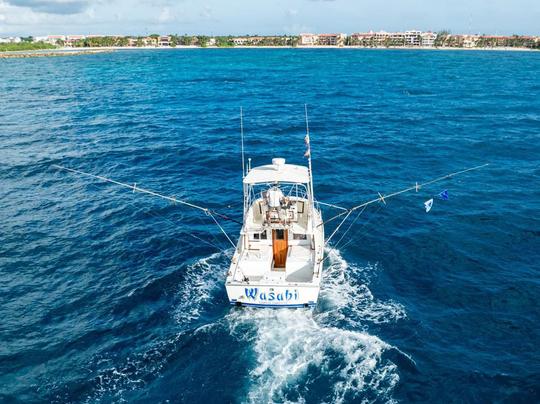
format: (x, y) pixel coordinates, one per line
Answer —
(279, 255)
(278, 171)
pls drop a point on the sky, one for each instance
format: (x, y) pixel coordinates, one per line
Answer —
(240, 17)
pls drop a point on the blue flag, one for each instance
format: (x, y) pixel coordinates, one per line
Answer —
(444, 195)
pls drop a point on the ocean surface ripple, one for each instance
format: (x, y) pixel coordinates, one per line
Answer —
(110, 296)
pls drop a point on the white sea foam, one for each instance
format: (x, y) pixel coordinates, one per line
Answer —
(346, 294)
(325, 355)
(327, 351)
(203, 279)
(294, 353)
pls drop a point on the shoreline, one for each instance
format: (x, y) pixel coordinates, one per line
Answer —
(510, 49)
(51, 53)
(59, 52)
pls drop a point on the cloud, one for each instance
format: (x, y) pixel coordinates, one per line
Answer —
(292, 12)
(157, 3)
(63, 7)
(91, 12)
(206, 12)
(165, 15)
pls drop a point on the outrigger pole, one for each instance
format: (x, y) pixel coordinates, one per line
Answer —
(383, 198)
(135, 188)
(308, 153)
(242, 139)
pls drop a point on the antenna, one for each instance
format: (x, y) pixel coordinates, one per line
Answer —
(242, 139)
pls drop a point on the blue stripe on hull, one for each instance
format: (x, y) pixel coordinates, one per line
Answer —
(275, 306)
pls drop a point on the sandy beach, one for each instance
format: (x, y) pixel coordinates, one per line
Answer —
(311, 47)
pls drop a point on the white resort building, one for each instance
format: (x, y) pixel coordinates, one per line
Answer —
(413, 38)
(308, 39)
(322, 39)
(428, 39)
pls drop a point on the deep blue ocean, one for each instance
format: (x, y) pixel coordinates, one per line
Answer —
(110, 296)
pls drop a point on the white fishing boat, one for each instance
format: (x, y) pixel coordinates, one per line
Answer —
(278, 259)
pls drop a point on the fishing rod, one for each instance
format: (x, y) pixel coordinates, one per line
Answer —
(383, 198)
(210, 212)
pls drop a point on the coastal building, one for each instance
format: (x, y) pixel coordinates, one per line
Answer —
(470, 41)
(148, 41)
(428, 39)
(308, 39)
(361, 39)
(142, 41)
(258, 40)
(322, 39)
(242, 41)
(381, 38)
(372, 39)
(515, 41)
(493, 40)
(71, 39)
(530, 41)
(55, 39)
(384, 39)
(331, 39)
(456, 41)
(10, 39)
(397, 39)
(164, 41)
(412, 38)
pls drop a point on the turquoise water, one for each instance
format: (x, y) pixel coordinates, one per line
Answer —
(107, 296)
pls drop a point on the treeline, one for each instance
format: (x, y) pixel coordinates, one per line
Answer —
(184, 40)
(512, 42)
(374, 42)
(25, 46)
(99, 41)
(229, 40)
(445, 39)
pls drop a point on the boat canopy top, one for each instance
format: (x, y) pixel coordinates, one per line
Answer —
(278, 171)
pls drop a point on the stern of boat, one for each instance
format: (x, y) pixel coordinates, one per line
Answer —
(287, 296)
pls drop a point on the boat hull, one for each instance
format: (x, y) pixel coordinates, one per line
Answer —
(272, 296)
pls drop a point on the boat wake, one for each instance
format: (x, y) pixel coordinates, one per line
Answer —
(204, 279)
(345, 295)
(325, 355)
(295, 355)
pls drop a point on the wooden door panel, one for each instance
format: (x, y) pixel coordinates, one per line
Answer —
(280, 247)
